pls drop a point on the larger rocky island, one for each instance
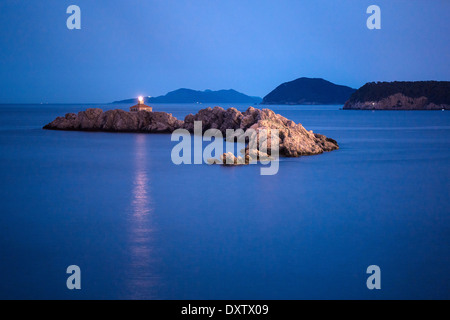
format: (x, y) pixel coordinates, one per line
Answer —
(401, 95)
(294, 139)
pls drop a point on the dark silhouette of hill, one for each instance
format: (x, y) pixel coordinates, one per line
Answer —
(194, 96)
(309, 91)
(432, 93)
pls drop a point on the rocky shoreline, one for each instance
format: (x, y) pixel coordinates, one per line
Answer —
(396, 101)
(401, 95)
(294, 139)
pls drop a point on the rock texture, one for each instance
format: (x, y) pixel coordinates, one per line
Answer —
(116, 121)
(294, 140)
(419, 95)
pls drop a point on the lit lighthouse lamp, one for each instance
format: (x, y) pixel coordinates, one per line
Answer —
(141, 106)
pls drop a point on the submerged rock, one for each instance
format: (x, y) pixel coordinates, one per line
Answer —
(293, 140)
(249, 156)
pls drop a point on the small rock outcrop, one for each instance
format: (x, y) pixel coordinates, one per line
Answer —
(293, 139)
(116, 121)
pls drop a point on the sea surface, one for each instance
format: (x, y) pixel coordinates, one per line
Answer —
(141, 227)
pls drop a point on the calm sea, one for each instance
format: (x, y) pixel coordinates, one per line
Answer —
(139, 226)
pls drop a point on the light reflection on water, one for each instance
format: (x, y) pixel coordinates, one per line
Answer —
(141, 279)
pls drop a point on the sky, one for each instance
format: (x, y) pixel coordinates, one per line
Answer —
(127, 48)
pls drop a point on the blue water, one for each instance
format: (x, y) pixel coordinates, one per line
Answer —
(141, 227)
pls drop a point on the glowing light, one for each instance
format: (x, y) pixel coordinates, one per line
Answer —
(141, 99)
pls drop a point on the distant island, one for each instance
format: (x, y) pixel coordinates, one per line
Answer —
(309, 91)
(194, 96)
(401, 95)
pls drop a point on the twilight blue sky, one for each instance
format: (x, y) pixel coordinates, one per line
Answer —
(131, 47)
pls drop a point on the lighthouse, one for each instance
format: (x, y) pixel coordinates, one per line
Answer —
(141, 106)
